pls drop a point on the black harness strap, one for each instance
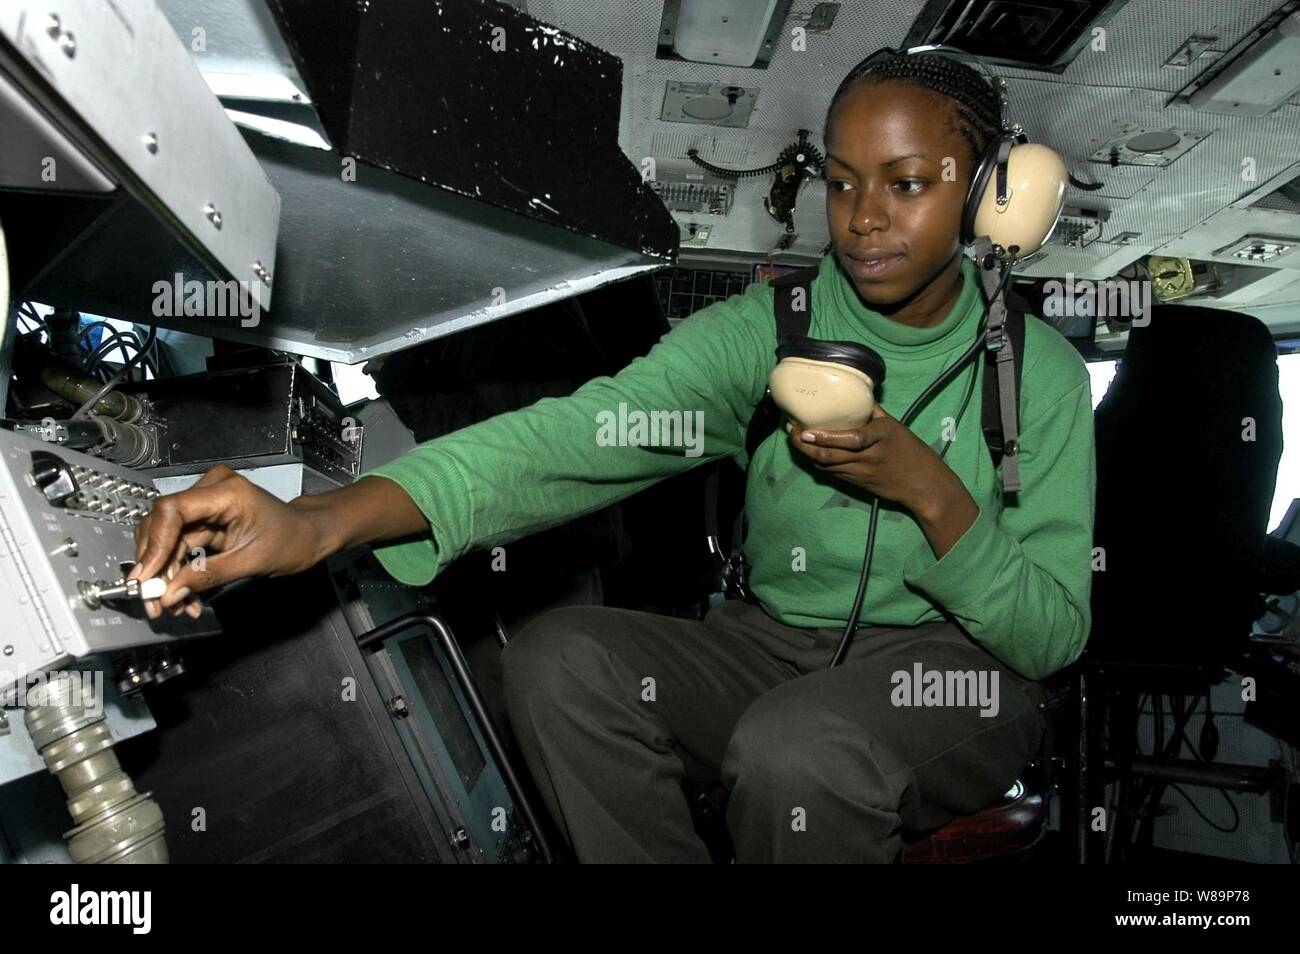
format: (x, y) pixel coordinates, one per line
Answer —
(792, 302)
(991, 411)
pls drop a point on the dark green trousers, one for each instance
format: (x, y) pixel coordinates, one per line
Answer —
(612, 708)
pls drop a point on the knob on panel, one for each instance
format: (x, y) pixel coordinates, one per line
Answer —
(52, 476)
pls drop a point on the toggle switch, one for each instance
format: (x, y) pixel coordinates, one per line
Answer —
(68, 547)
(97, 593)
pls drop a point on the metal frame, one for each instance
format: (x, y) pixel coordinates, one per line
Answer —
(159, 132)
(460, 668)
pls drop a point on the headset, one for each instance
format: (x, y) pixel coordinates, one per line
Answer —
(1019, 214)
(1014, 201)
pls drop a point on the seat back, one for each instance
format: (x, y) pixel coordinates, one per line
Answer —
(1188, 442)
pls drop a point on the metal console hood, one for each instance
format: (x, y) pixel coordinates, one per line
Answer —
(372, 266)
(489, 177)
(474, 173)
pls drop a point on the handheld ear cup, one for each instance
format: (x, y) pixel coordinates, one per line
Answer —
(848, 353)
(1035, 189)
(826, 384)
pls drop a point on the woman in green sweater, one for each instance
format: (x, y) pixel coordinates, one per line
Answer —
(972, 598)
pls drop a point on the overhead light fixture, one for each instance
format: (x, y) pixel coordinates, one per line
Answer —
(708, 104)
(1256, 82)
(1133, 145)
(724, 32)
(1258, 248)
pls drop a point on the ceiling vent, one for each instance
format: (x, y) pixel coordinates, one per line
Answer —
(1283, 197)
(1031, 34)
(1281, 193)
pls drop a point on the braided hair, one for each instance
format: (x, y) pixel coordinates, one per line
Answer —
(976, 103)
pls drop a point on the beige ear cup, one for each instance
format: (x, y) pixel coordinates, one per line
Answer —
(822, 394)
(1036, 180)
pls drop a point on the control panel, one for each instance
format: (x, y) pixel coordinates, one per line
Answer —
(67, 541)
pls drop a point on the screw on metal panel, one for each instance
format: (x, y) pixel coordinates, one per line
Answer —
(213, 215)
(151, 143)
(9, 650)
(67, 41)
(461, 838)
(260, 271)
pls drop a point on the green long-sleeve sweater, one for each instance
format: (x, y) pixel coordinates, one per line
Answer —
(1018, 579)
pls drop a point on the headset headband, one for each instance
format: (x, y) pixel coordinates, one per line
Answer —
(999, 85)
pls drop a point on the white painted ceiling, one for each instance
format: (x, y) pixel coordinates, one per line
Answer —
(1184, 209)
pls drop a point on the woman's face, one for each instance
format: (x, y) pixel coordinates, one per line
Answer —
(890, 190)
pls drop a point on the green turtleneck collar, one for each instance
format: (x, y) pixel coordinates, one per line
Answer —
(895, 336)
